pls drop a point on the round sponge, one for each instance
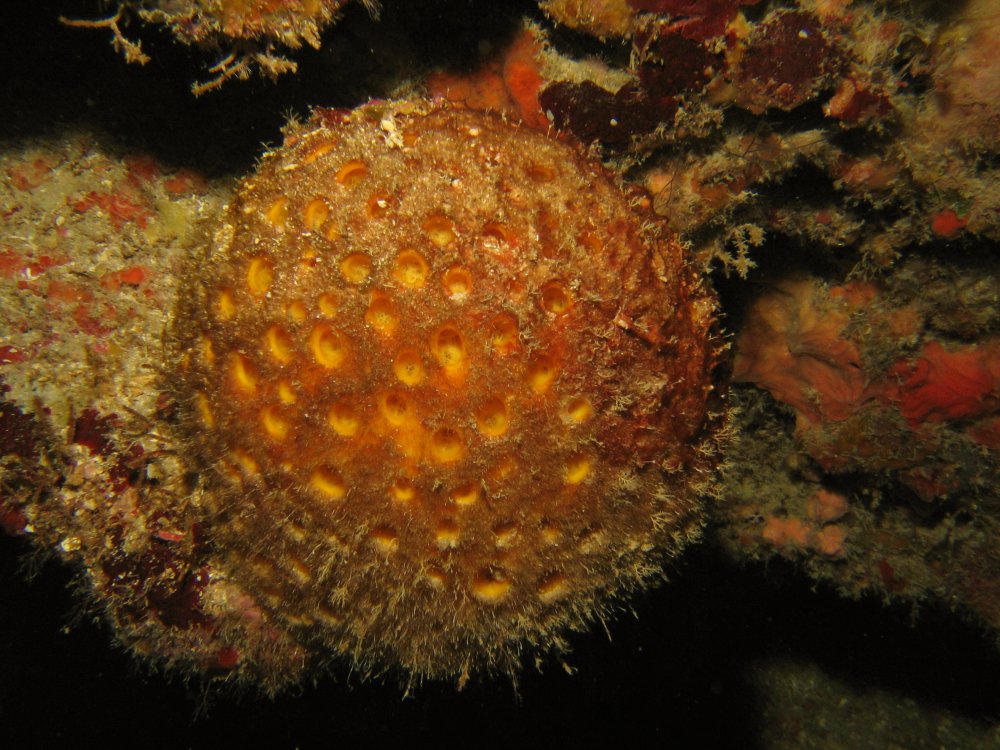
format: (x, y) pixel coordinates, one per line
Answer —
(449, 386)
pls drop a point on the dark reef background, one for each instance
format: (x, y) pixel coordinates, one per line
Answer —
(679, 672)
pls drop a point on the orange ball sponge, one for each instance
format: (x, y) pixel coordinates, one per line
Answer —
(450, 389)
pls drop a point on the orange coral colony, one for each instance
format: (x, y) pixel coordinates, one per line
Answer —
(450, 391)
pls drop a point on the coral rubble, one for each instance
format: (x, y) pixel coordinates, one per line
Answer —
(897, 383)
(252, 34)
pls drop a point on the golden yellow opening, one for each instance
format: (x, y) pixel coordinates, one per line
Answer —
(356, 267)
(447, 446)
(436, 578)
(504, 534)
(225, 307)
(381, 315)
(490, 587)
(297, 311)
(260, 276)
(577, 469)
(499, 234)
(541, 373)
(457, 283)
(279, 344)
(410, 270)
(550, 533)
(277, 212)
(556, 298)
(276, 425)
(378, 204)
(286, 393)
(317, 151)
(402, 490)
(503, 333)
(541, 172)
(385, 538)
(344, 419)
(327, 304)
(409, 367)
(351, 173)
(328, 483)
(446, 534)
(449, 348)
(491, 417)
(440, 230)
(328, 347)
(465, 494)
(315, 213)
(552, 587)
(244, 462)
(396, 407)
(579, 410)
(243, 373)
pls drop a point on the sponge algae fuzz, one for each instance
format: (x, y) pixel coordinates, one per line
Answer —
(449, 387)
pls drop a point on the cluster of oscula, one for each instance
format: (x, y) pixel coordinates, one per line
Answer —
(447, 386)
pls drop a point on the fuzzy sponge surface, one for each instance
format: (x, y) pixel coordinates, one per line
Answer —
(449, 386)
